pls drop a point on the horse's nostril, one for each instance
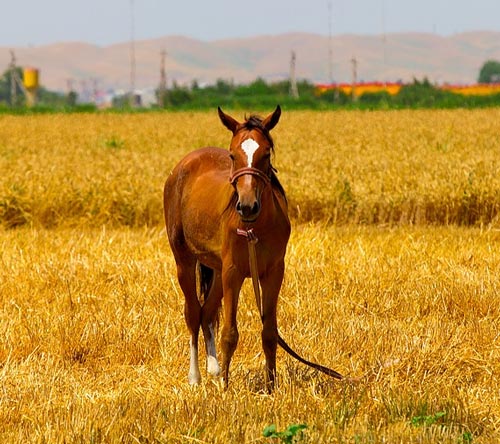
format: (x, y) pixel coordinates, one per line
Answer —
(242, 210)
(256, 207)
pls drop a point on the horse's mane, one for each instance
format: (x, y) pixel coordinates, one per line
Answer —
(277, 185)
(255, 122)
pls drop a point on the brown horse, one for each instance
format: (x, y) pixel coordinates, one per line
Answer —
(211, 197)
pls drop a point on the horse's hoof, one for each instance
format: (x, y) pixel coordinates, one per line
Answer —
(194, 379)
(213, 367)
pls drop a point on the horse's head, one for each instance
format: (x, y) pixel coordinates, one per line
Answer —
(250, 153)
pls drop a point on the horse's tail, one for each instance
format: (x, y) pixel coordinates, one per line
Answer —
(321, 368)
(205, 278)
(205, 281)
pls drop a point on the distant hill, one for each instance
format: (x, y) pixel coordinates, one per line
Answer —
(453, 59)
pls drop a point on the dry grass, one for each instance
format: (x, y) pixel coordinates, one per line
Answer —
(421, 167)
(94, 348)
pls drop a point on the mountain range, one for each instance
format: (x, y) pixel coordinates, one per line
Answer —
(319, 59)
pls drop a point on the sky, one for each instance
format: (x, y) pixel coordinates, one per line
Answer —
(105, 22)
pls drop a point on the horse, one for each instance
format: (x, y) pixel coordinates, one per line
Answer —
(216, 201)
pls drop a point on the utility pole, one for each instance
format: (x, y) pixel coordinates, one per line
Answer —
(354, 64)
(13, 86)
(330, 49)
(95, 90)
(132, 55)
(384, 43)
(294, 92)
(72, 95)
(14, 79)
(162, 88)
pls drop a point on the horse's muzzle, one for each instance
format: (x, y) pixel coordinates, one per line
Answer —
(249, 212)
(248, 205)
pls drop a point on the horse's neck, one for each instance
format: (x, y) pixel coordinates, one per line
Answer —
(278, 207)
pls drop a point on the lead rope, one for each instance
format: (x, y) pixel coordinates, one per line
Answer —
(254, 270)
(254, 273)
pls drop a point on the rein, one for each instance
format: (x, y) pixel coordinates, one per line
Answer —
(252, 258)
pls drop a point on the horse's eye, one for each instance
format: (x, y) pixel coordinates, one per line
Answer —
(231, 157)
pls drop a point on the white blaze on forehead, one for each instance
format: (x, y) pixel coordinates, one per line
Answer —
(249, 146)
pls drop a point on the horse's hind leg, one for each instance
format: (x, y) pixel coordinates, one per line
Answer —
(209, 314)
(186, 273)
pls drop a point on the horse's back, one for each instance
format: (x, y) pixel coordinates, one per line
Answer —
(210, 165)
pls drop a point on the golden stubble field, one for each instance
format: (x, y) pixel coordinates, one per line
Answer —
(393, 276)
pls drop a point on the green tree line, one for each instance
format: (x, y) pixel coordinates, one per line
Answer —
(260, 94)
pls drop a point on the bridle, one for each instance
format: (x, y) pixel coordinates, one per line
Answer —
(266, 178)
(234, 175)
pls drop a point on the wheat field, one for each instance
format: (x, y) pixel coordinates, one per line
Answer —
(392, 167)
(393, 276)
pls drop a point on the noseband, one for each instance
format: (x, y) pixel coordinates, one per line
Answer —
(251, 171)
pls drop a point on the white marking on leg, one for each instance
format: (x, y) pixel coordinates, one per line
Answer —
(213, 367)
(194, 376)
(249, 146)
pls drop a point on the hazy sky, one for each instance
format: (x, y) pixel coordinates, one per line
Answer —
(103, 22)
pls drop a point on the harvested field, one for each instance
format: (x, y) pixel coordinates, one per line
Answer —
(393, 279)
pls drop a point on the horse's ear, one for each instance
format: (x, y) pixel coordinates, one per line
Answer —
(230, 123)
(272, 119)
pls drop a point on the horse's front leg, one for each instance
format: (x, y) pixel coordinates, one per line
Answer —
(231, 285)
(271, 285)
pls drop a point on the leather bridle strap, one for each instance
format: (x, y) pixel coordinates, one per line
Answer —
(254, 270)
(251, 171)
